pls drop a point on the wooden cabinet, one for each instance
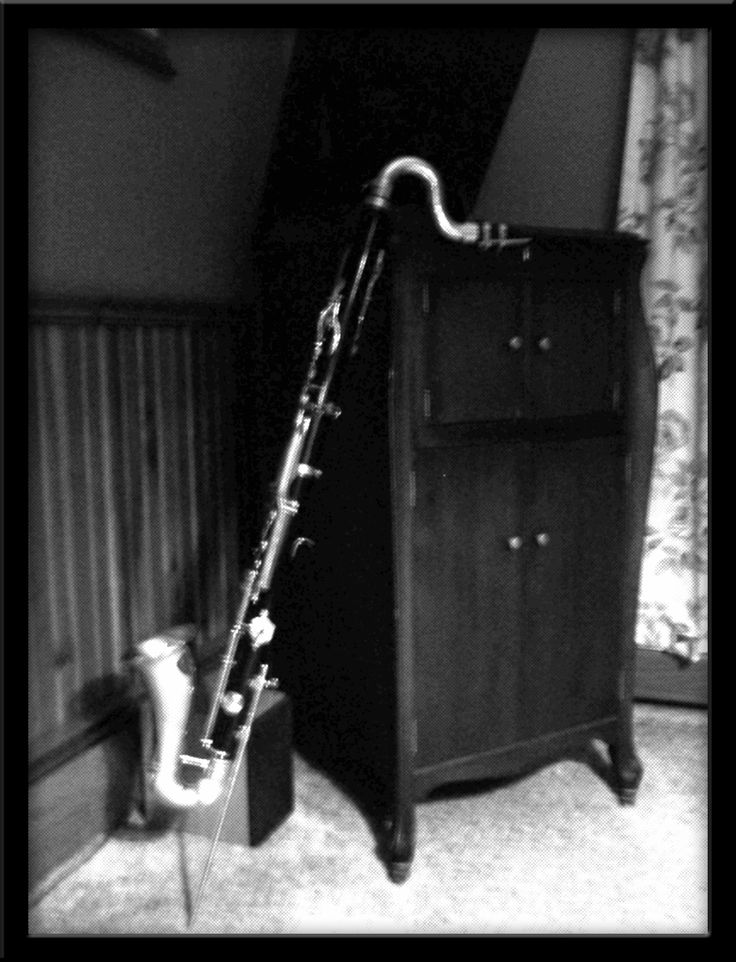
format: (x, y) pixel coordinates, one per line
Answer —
(468, 608)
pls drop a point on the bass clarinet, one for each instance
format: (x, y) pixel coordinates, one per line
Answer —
(243, 673)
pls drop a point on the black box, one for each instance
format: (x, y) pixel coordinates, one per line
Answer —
(263, 796)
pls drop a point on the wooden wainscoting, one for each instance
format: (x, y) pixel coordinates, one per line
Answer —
(133, 522)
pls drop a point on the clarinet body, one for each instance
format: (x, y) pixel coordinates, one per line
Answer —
(243, 671)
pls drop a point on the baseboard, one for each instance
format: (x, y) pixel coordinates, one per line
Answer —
(662, 678)
(76, 803)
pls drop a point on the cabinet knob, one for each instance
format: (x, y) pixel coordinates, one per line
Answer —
(515, 542)
(516, 343)
(544, 343)
(542, 539)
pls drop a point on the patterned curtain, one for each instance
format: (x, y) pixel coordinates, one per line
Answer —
(664, 199)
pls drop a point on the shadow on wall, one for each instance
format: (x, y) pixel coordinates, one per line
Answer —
(122, 750)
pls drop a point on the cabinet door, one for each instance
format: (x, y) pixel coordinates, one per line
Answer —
(467, 594)
(572, 606)
(474, 349)
(508, 347)
(573, 342)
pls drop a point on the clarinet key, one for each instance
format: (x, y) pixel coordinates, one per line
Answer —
(307, 471)
(296, 545)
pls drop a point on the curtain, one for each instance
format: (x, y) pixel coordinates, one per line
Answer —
(663, 198)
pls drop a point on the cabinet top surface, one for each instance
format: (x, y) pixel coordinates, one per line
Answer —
(414, 224)
(412, 229)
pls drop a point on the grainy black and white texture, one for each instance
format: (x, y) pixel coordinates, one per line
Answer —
(145, 190)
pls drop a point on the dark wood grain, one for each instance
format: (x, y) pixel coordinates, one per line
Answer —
(474, 372)
(572, 606)
(467, 585)
(576, 373)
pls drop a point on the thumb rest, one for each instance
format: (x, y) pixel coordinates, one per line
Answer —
(163, 662)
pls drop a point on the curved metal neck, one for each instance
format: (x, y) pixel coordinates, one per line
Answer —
(469, 232)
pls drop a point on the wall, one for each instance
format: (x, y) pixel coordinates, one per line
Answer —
(557, 162)
(141, 186)
(147, 187)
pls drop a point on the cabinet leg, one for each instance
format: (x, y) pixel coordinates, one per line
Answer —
(402, 843)
(627, 771)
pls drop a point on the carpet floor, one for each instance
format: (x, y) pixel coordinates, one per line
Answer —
(550, 853)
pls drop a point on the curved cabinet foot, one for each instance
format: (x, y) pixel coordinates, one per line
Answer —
(399, 872)
(627, 772)
(400, 851)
